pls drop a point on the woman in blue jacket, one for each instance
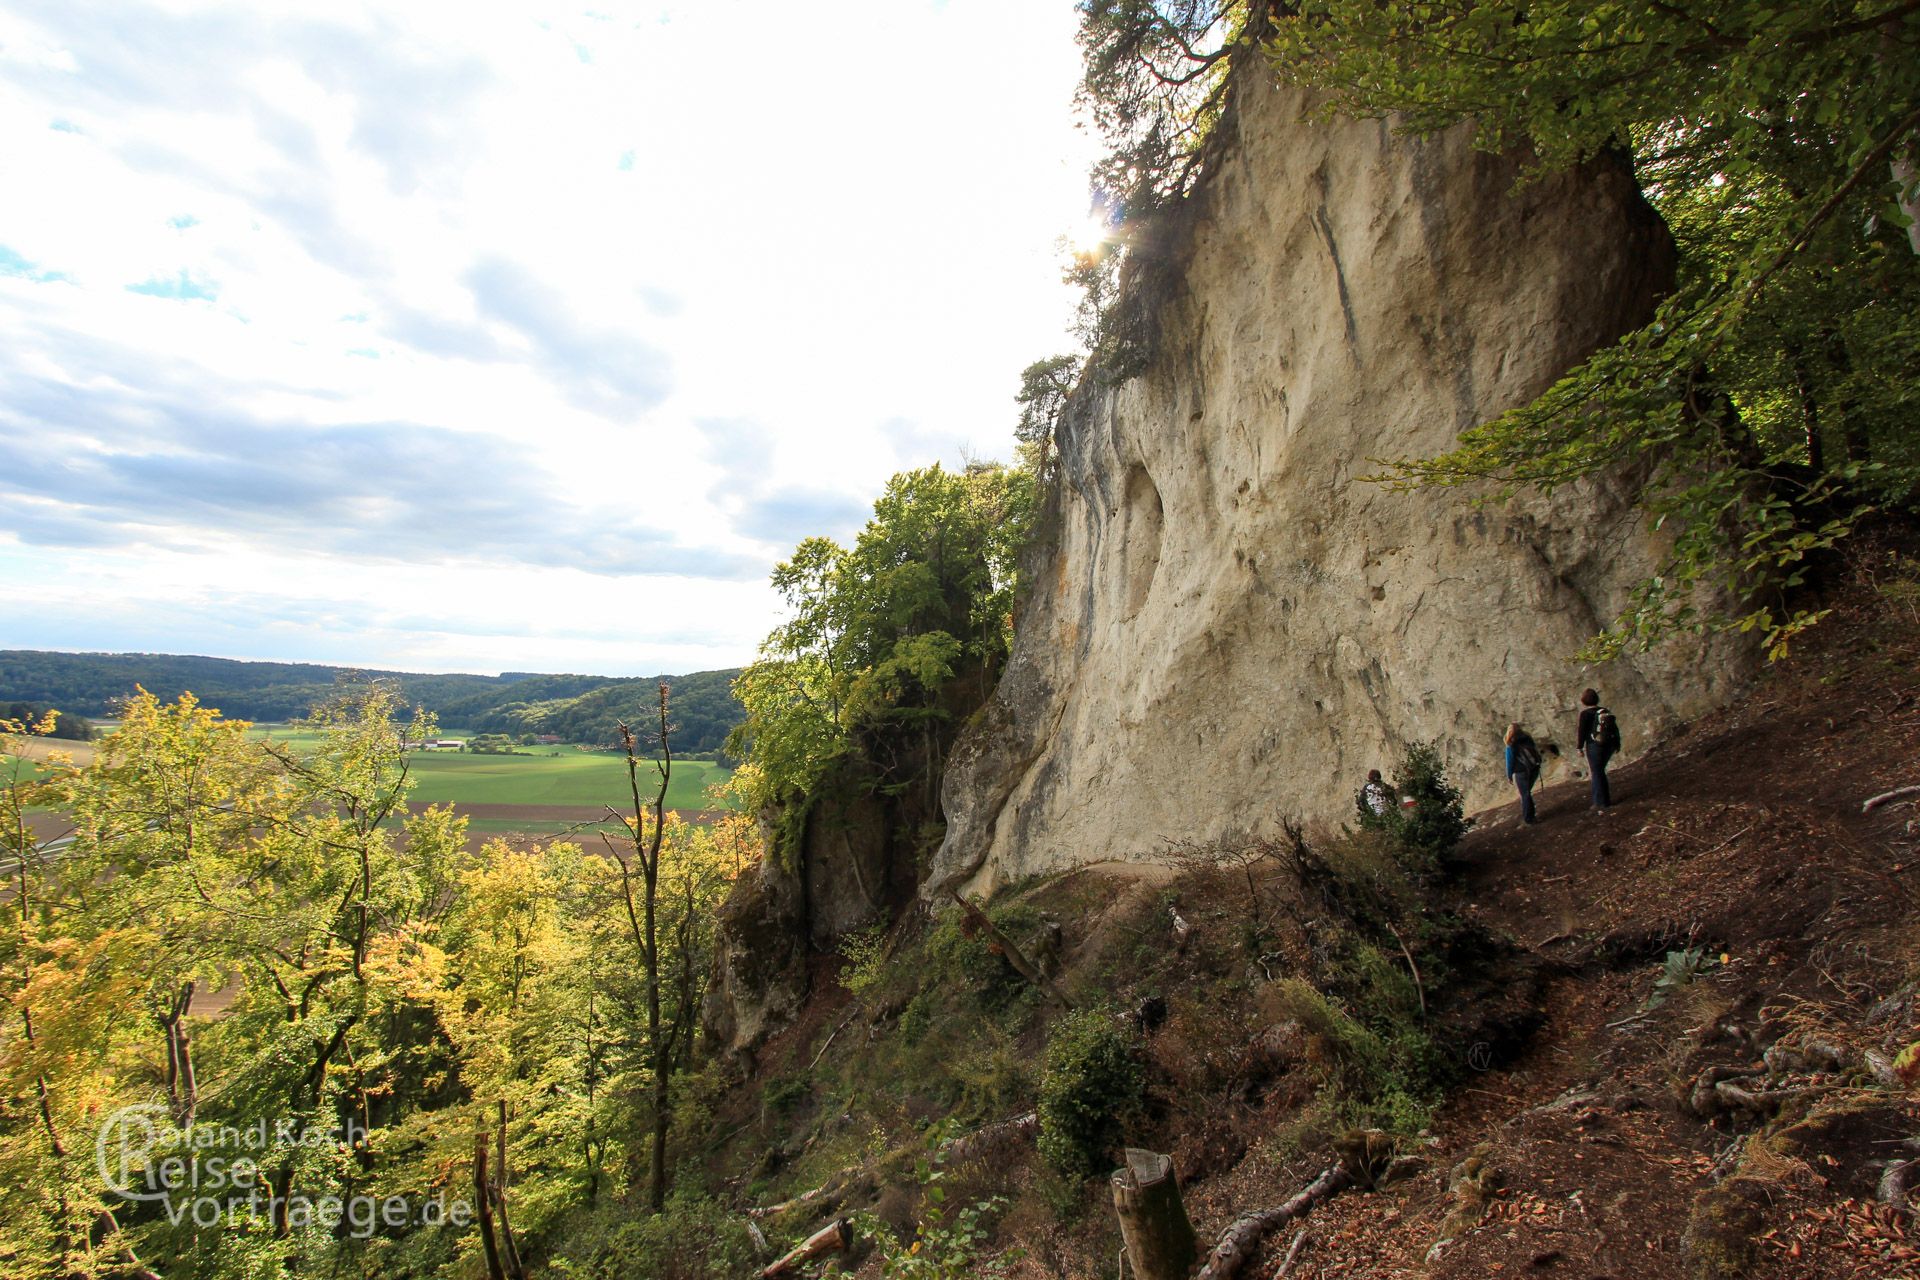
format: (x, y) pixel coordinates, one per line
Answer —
(1523, 766)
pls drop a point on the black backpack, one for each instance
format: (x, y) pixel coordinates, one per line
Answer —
(1526, 756)
(1606, 730)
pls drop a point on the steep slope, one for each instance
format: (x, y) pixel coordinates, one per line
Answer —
(1582, 1130)
(1227, 623)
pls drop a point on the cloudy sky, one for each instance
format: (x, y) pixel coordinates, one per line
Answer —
(481, 336)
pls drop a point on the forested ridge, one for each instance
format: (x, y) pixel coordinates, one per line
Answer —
(576, 708)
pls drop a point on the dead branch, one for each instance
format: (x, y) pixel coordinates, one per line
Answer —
(1240, 1240)
(835, 1237)
(1286, 1264)
(1419, 988)
(1729, 840)
(1868, 806)
(964, 1147)
(836, 1031)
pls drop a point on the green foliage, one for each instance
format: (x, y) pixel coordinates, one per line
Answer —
(1379, 1069)
(1772, 401)
(1155, 84)
(1092, 1085)
(1429, 830)
(887, 644)
(694, 1238)
(1677, 972)
(1044, 388)
(970, 961)
(947, 1244)
(865, 953)
(377, 975)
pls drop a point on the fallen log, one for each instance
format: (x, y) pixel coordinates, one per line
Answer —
(964, 1147)
(968, 1145)
(1244, 1236)
(1015, 957)
(805, 1197)
(835, 1237)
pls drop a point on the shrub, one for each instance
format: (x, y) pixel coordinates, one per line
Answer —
(1430, 828)
(1092, 1084)
(865, 953)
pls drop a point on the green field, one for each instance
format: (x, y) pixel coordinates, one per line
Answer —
(570, 777)
(545, 775)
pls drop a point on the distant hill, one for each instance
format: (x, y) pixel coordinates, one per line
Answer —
(579, 708)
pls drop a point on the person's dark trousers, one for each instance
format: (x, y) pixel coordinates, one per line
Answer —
(1597, 767)
(1523, 782)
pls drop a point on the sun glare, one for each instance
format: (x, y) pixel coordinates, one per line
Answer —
(1091, 234)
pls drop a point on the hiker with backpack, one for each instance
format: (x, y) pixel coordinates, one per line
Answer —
(1523, 766)
(1375, 800)
(1597, 739)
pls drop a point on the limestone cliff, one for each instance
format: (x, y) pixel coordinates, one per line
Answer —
(1226, 625)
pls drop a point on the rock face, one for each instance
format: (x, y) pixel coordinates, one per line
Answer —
(855, 864)
(1226, 624)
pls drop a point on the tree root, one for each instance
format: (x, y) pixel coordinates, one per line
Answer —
(1244, 1236)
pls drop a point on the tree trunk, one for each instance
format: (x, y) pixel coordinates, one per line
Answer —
(1809, 410)
(514, 1266)
(483, 1201)
(1153, 1221)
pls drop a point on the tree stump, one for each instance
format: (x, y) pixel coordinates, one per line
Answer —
(1153, 1221)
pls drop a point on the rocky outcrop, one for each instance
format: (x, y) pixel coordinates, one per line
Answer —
(856, 863)
(1227, 623)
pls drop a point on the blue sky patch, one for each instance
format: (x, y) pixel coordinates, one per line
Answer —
(183, 287)
(12, 264)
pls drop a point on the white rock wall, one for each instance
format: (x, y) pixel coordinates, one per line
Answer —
(1227, 625)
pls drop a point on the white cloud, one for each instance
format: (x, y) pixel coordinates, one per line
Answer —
(331, 305)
